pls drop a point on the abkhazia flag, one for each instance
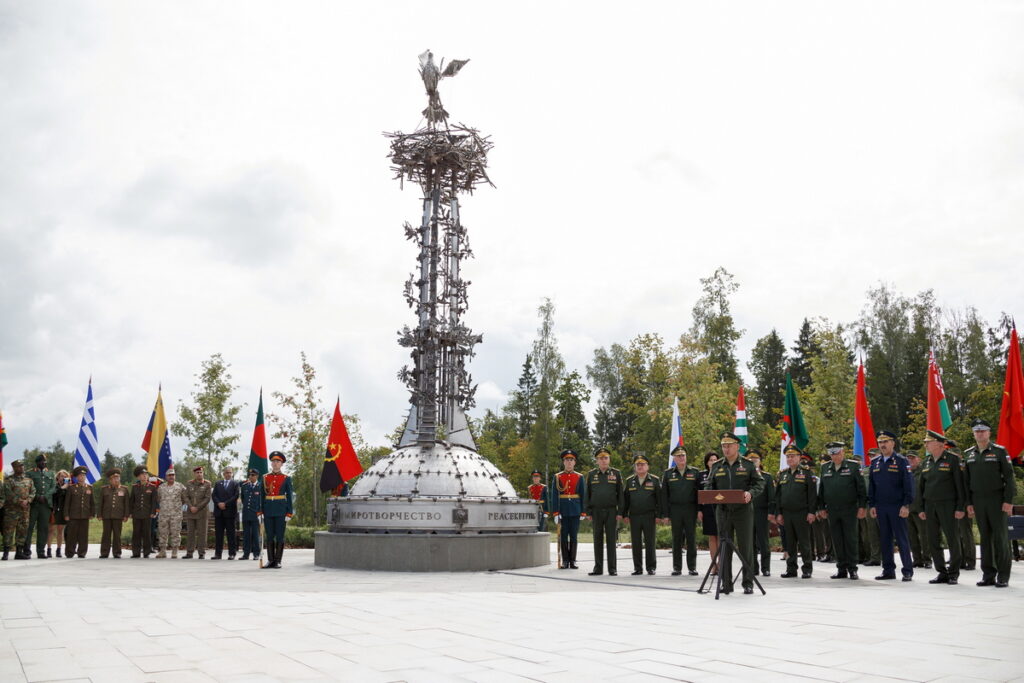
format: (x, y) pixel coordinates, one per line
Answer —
(676, 437)
(1011, 413)
(340, 460)
(258, 450)
(864, 439)
(3, 442)
(157, 441)
(938, 410)
(87, 450)
(793, 429)
(740, 426)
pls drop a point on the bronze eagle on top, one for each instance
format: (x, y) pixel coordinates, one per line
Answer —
(431, 75)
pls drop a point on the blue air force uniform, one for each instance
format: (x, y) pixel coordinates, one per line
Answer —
(252, 503)
(890, 487)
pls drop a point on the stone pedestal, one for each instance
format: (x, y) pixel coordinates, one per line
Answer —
(405, 552)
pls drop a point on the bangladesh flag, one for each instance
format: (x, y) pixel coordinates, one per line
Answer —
(740, 427)
(793, 429)
(938, 410)
(258, 450)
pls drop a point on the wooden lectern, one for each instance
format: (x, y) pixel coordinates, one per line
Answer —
(725, 545)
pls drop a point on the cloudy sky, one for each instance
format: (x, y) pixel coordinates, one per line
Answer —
(182, 179)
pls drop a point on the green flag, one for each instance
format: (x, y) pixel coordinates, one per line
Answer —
(258, 451)
(793, 429)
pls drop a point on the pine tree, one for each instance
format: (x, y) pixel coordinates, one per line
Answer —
(805, 349)
(768, 364)
(572, 423)
(713, 325)
(522, 403)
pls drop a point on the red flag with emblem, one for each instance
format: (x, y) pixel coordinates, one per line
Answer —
(1011, 414)
(340, 460)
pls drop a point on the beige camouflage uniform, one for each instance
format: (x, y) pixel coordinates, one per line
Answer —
(170, 498)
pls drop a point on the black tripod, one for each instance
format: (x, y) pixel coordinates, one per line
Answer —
(725, 545)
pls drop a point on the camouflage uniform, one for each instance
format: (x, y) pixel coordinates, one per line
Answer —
(18, 493)
(45, 483)
(170, 498)
(197, 495)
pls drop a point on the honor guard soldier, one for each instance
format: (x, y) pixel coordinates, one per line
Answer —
(916, 527)
(941, 492)
(680, 494)
(990, 488)
(18, 494)
(252, 503)
(890, 493)
(42, 503)
(276, 494)
(964, 525)
(142, 502)
(736, 520)
(842, 501)
(79, 508)
(114, 511)
(603, 503)
(539, 492)
(568, 489)
(171, 498)
(764, 513)
(795, 506)
(641, 504)
(197, 497)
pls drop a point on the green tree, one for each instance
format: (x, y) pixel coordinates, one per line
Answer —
(209, 422)
(522, 404)
(706, 404)
(768, 365)
(611, 422)
(713, 325)
(805, 349)
(829, 399)
(496, 434)
(570, 419)
(545, 440)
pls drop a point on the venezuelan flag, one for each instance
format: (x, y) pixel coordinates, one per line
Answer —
(157, 442)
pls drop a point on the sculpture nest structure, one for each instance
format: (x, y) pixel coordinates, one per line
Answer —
(454, 159)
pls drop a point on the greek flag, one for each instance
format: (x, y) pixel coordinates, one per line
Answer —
(85, 452)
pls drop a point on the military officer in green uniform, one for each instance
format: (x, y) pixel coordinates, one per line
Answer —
(18, 494)
(114, 511)
(871, 547)
(795, 508)
(990, 487)
(736, 520)
(42, 503)
(764, 513)
(941, 492)
(603, 504)
(842, 501)
(916, 527)
(641, 504)
(78, 510)
(680, 484)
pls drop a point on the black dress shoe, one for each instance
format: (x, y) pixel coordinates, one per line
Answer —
(748, 591)
(677, 572)
(693, 572)
(885, 577)
(766, 573)
(651, 572)
(853, 574)
(596, 572)
(611, 573)
(907, 578)
(231, 557)
(953, 581)
(805, 575)
(987, 582)
(572, 565)
(788, 575)
(637, 573)
(215, 557)
(873, 564)
(968, 567)
(1002, 584)
(840, 575)
(940, 579)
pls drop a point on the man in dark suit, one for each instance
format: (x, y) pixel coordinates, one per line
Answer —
(225, 514)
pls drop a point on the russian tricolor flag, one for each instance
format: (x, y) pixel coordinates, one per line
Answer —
(863, 431)
(676, 439)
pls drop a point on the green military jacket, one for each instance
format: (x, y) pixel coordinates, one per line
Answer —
(917, 506)
(113, 502)
(46, 483)
(988, 474)
(842, 486)
(741, 475)
(603, 490)
(680, 488)
(942, 481)
(641, 499)
(796, 492)
(198, 495)
(79, 503)
(766, 501)
(142, 501)
(18, 490)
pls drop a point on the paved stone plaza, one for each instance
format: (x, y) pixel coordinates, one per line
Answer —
(181, 621)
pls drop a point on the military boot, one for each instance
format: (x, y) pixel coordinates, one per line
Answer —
(161, 555)
(271, 554)
(277, 558)
(6, 551)
(572, 555)
(174, 553)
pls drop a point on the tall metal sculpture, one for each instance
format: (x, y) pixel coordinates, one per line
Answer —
(435, 503)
